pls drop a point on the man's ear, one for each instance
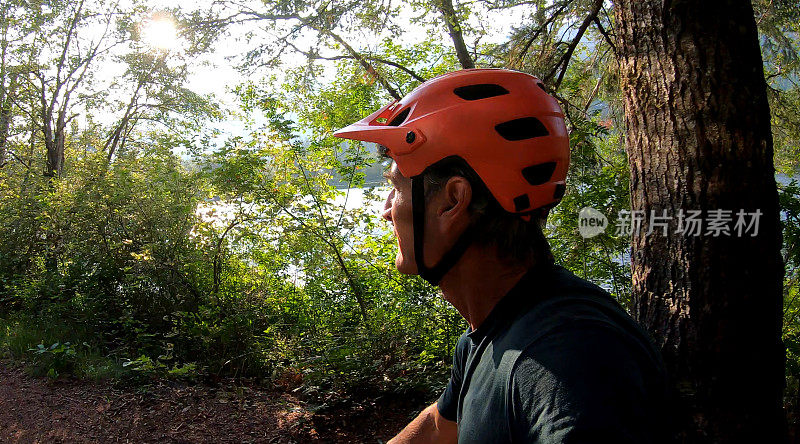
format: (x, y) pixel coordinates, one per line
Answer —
(456, 198)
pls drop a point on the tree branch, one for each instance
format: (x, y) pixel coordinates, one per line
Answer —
(354, 286)
(605, 34)
(311, 55)
(564, 60)
(593, 94)
(356, 55)
(538, 32)
(72, 25)
(454, 29)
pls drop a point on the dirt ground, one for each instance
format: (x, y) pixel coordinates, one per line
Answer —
(37, 410)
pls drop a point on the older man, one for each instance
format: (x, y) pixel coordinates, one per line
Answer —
(480, 156)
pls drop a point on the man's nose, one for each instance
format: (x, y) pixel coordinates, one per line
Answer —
(387, 207)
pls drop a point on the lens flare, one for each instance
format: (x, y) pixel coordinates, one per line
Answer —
(159, 33)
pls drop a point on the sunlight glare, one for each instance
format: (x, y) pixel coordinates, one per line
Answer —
(160, 33)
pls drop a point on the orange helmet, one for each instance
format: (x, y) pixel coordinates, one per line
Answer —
(501, 122)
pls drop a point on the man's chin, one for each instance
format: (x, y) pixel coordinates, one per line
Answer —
(404, 267)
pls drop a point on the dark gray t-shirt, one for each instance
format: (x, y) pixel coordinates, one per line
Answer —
(556, 361)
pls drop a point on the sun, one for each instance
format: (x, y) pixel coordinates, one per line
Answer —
(159, 32)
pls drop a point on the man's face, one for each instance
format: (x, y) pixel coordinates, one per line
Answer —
(397, 210)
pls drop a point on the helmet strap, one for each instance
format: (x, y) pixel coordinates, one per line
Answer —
(433, 274)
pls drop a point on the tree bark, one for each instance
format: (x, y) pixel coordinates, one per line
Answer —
(698, 138)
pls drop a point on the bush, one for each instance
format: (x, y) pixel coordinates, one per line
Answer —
(53, 360)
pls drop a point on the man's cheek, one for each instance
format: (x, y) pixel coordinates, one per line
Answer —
(400, 246)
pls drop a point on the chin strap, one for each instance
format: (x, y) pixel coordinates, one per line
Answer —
(433, 274)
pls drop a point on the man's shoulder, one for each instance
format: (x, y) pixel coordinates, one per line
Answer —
(578, 328)
(562, 314)
(548, 341)
(586, 381)
(580, 363)
(585, 309)
(563, 300)
(576, 350)
(558, 289)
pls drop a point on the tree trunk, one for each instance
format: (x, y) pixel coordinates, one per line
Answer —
(698, 138)
(55, 142)
(454, 29)
(55, 155)
(6, 97)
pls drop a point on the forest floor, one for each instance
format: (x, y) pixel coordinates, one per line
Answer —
(39, 410)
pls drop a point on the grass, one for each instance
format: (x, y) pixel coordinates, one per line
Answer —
(54, 350)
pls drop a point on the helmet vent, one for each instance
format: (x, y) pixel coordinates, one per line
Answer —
(559, 192)
(480, 91)
(400, 118)
(522, 202)
(521, 129)
(539, 174)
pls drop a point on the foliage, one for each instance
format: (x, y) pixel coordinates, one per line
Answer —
(57, 358)
(778, 26)
(790, 206)
(165, 249)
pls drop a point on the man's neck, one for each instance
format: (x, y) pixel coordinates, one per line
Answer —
(478, 282)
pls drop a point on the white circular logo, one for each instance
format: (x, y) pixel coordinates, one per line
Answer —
(591, 222)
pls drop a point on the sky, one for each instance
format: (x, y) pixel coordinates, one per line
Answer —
(215, 73)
